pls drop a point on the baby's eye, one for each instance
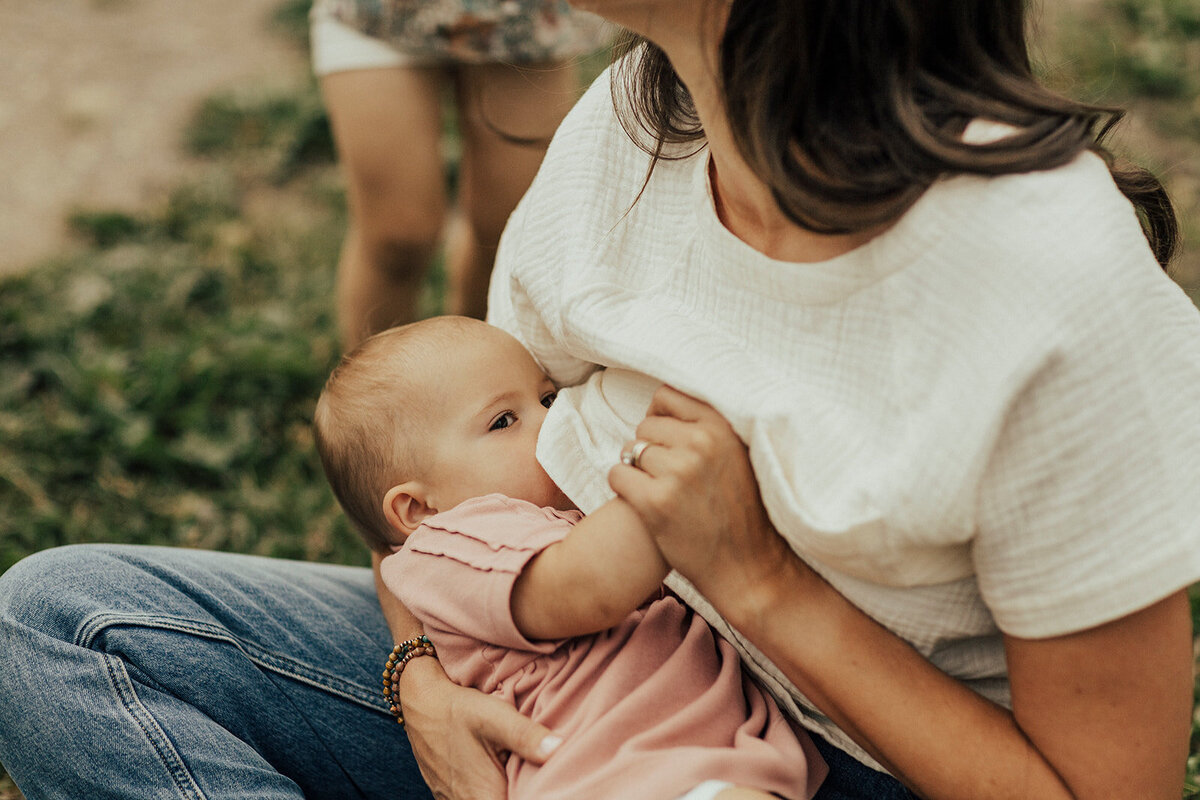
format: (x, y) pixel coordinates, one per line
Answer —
(548, 399)
(505, 420)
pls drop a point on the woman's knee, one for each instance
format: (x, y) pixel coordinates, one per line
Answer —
(52, 590)
(35, 580)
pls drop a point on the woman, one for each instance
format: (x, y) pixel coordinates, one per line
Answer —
(969, 391)
(971, 404)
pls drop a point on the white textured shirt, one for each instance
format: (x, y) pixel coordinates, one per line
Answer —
(985, 419)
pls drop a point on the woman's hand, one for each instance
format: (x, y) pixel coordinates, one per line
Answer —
(695, 490)
(458, 735)
(1100, 713)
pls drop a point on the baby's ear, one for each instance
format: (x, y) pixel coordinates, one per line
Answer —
(405, 508)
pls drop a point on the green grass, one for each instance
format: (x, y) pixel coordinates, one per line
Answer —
(1136, 48)
(158, 388)
(1143, 55)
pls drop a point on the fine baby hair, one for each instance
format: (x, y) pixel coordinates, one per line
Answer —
(370, 413)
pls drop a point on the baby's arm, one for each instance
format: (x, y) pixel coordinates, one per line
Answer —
(604, 569)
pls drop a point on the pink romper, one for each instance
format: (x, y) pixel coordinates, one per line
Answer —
(648, 709)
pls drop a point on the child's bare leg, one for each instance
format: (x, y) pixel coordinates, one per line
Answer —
(496, 101)
(387, 126)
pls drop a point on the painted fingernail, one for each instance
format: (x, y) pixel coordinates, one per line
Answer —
(549, 745)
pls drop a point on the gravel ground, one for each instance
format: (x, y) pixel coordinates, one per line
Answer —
(96, 93)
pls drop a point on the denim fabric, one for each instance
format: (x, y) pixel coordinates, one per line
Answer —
(145, 672)
(136, 672)
(850, 779)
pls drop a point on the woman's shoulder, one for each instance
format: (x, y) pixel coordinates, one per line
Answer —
(598, 116)
(1047, 228)
(592, 109)
(1053, 265)
(594, 188)
(594, 166)
(589, 160)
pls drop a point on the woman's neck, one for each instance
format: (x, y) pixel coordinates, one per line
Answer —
(744, 202)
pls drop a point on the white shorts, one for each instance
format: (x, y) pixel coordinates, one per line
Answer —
(707, 790)
(337, 47)
(343, 36)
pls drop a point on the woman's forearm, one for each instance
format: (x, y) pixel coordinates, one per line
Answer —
(946, 741)
(909, 716)
(1102, 713)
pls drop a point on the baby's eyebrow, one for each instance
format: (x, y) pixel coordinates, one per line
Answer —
(500, 399)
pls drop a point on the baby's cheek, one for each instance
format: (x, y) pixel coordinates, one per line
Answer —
(548, 490)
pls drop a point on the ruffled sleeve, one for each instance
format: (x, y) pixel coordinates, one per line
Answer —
(456, 572)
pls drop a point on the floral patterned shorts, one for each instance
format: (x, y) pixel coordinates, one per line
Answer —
(471, 31)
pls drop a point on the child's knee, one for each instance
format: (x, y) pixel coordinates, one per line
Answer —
(400, 258)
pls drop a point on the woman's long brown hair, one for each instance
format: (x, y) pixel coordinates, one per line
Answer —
(850, 109)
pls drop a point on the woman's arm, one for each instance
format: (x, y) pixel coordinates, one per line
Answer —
(605, 568)
(456, 732)
(1101, 713)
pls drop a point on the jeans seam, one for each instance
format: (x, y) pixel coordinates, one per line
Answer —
(92, 626)
(168, 756)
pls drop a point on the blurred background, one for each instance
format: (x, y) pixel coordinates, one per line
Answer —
(170, 217)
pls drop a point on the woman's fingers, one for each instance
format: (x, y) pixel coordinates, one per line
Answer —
(670, 446)
(678, 421)
(670, 402)
(454, 760)
(508, 730)
(680, 444)
(458, 733)
(694, 488)
(668, 431)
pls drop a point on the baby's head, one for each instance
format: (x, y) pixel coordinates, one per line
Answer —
(421, 417)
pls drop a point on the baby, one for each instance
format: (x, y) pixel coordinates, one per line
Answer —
(428, 434)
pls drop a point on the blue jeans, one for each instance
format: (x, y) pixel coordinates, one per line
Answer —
(146, 672)
(850, 779)
(131, 672)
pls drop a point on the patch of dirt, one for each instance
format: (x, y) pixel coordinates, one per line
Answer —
(96, 94)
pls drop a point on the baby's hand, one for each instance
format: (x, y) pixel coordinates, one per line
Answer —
(695, 490)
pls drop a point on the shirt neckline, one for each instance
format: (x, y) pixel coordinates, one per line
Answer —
(812, 282)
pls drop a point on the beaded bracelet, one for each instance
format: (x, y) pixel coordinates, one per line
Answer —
(400, 656)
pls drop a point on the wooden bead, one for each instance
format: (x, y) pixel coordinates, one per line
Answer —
(400, 656)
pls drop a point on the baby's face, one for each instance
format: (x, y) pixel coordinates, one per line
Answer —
(488, 405)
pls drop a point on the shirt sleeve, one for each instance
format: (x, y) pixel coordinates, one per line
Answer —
(1089, 508)
(456, 572)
